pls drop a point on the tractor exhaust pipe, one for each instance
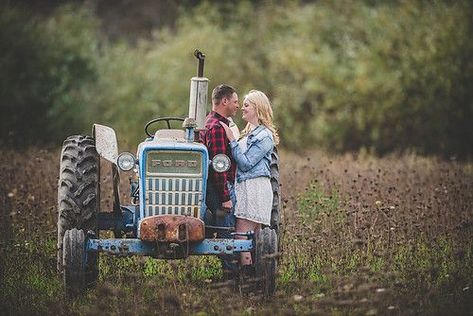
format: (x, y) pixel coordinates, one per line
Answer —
(198, 94)
(201, 57)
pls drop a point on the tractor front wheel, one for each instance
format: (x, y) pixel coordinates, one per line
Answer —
(266, 260)
(74, 262)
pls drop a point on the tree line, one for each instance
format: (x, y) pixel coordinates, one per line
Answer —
(383, 76)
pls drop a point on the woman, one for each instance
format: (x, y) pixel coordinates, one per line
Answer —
(252, 153)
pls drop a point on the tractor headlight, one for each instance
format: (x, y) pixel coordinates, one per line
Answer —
(126, 161)
(221, 163)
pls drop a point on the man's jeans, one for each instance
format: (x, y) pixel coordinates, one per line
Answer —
(226, 219)
(217, 217)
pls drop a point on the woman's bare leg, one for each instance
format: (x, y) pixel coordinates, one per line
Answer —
(243, 226)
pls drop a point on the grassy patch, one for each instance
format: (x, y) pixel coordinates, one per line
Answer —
(29, 282)
(327, 251)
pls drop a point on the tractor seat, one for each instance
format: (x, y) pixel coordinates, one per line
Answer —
(170, 134)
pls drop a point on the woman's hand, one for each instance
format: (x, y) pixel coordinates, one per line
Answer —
(228, 131)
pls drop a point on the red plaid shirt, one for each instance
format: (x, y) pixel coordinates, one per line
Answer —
(216, 140)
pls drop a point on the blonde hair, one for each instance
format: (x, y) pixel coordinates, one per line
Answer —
(264, 112)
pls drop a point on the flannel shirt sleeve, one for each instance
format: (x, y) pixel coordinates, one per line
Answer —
(217, 144)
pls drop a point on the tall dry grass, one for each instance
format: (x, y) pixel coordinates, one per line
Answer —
(360, 235)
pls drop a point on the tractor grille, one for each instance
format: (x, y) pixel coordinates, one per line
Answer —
(173, 196)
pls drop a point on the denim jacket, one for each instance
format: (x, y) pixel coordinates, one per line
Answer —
(255, 162)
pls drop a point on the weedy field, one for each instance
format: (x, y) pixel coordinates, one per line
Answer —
(361, 235)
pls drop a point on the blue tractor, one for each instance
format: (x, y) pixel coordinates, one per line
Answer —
(168, 217)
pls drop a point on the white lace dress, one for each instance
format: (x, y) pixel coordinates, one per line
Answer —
(254, 196)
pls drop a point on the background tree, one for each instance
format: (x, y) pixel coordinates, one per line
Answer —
(384, 76)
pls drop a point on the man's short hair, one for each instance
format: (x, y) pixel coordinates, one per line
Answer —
(222, 91)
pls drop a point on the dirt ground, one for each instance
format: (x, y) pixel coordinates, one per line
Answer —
(360, 235)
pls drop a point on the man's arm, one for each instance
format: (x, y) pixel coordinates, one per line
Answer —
(216, 142)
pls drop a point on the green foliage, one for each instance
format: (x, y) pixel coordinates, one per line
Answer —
(72, 34)
(22, 77)
(385, 76)
(45, 67)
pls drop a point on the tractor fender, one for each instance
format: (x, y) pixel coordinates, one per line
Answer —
(106, 142)
(107, 147)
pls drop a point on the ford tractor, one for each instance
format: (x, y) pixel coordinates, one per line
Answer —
(167, 215)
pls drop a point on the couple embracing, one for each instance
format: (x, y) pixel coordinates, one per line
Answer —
(244, 191)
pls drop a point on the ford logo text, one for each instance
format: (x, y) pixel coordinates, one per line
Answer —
(174, 163)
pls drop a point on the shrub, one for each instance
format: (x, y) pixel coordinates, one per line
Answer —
(378, 76)
(45, 69)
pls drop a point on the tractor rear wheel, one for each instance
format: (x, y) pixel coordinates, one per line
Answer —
(79, 195)
(275, 185)
(74, 262)
(265, 260)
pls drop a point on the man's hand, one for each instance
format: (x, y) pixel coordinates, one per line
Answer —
(228, 131)
(227, 205)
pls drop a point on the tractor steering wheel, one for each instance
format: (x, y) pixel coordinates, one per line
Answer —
(160, 119)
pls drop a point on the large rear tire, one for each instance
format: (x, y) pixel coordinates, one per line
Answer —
(79, 195)
(266, 261)
(275, 185)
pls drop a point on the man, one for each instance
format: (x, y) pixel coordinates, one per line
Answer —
(220, 192)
